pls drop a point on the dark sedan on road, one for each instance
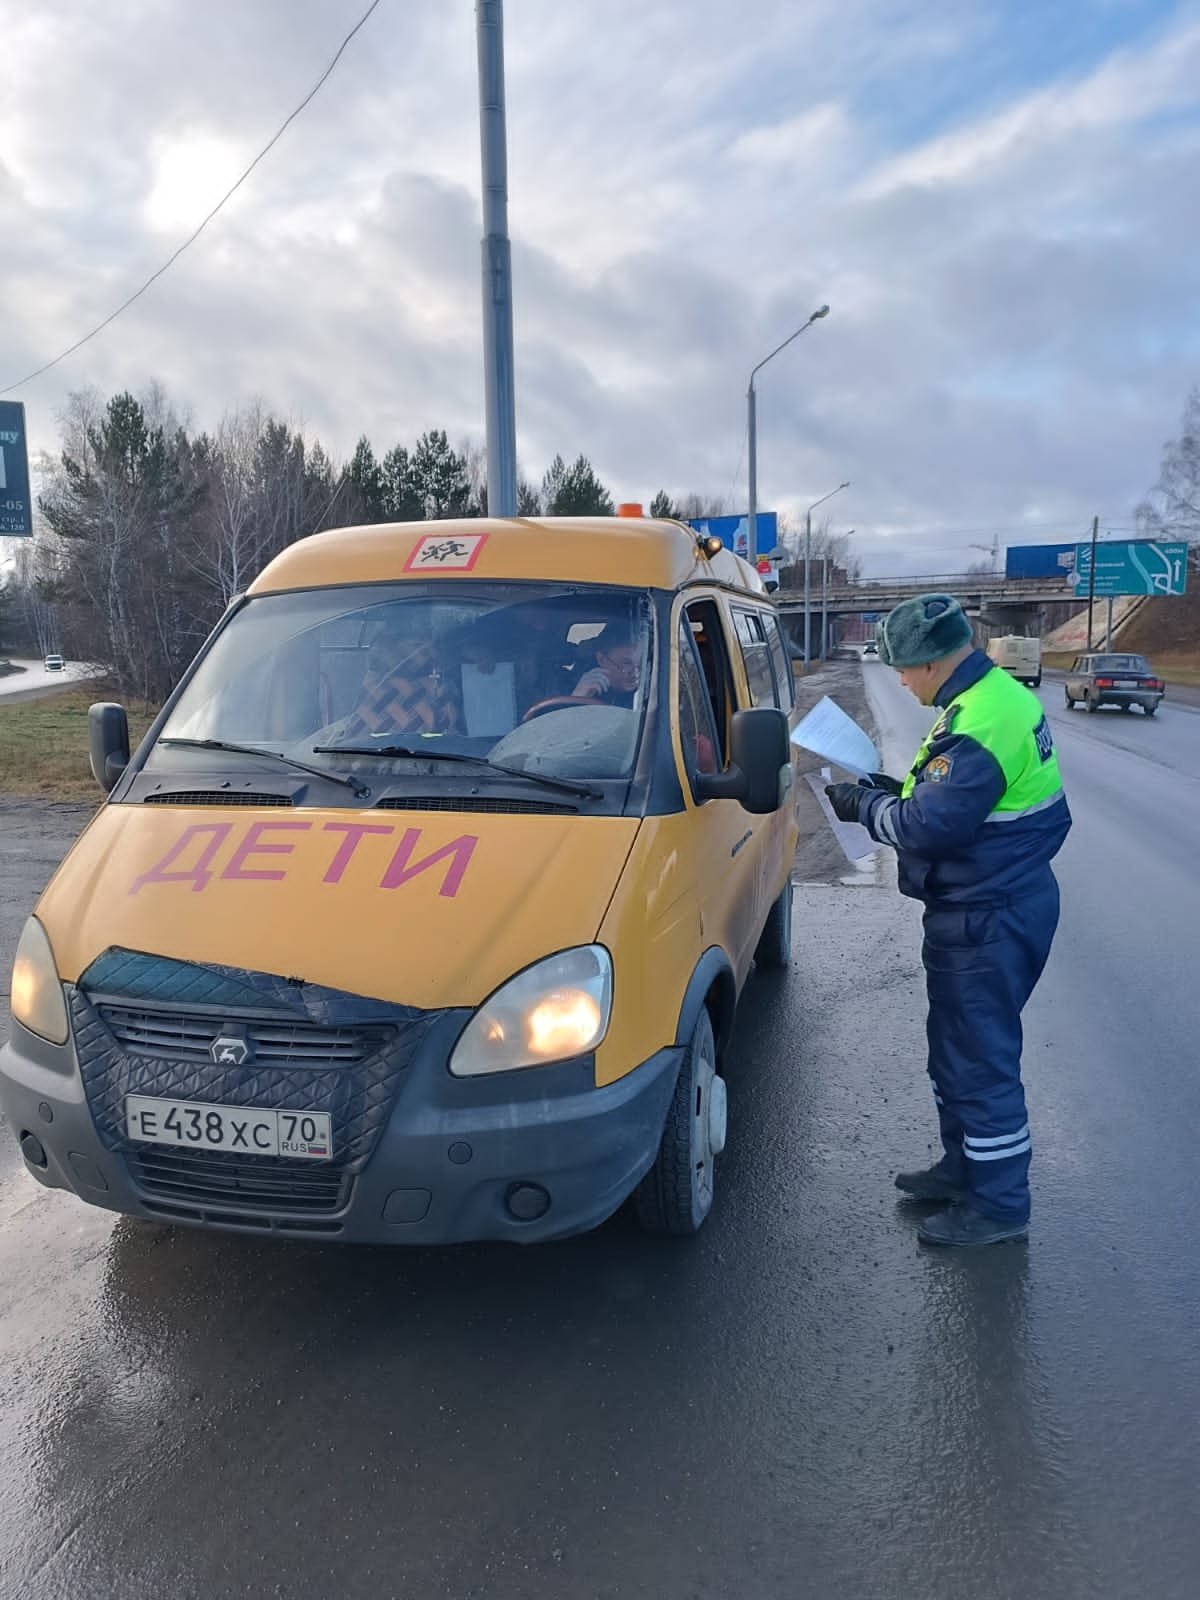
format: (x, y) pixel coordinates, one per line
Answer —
(1114, 680)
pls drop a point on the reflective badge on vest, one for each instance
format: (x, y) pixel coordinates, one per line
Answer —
(944, 723)
(938, 769)
(1044, 740)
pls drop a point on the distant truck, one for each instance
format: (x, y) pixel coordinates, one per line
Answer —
(1022, 657)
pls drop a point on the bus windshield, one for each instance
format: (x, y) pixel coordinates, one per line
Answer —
(531, 676)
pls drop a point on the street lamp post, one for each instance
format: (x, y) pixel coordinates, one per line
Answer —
(499, 401)
(808, 563)
(752, 433)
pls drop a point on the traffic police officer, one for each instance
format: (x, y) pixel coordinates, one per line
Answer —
(975, 824)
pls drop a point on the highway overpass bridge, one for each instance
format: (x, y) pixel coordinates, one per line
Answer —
(986, 595)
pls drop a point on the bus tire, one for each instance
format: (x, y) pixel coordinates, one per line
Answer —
(676, 1195)
(773, 953)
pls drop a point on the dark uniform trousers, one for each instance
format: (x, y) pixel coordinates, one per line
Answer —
(981, 966)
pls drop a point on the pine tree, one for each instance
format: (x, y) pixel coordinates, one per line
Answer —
(399, 499)
(575, 491)
(365, 482)
(124, 504)
(662, 506)
(440, 477)
(552, 485)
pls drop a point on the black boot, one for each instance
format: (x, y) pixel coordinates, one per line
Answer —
(959, 1224)
(931, 1184)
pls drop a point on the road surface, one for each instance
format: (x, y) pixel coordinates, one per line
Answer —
(802, 1402)
(35, 679)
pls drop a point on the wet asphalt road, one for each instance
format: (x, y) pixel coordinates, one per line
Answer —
(33, 680)
(800, 1402)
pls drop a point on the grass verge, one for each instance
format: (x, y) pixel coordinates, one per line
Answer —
(44, 745)
(1178, 669)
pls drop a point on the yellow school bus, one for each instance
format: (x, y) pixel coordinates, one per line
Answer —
(422, 911)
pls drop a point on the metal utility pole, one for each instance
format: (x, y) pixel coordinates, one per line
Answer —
(1108, 627)
(808, 591)
(497, 266)
(808, 562)
(752, 434)
(752, 446)
(1092, 579)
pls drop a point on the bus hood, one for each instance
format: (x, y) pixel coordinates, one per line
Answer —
(428, 909)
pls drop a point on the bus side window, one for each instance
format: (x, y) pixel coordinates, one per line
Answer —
(756, 654)
(702, 621)
(785, 683)
(697, 728)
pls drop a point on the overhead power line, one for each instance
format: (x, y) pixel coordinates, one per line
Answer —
(191, 239)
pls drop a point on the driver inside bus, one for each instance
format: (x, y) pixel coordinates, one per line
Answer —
(617, 673)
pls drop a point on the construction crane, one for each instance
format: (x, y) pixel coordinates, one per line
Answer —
(992, 550)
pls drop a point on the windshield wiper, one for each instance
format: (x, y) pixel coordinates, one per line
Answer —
(566, 785)
(356, 785)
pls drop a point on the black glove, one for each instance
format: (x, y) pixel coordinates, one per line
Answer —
(880, 780)
(845, 799)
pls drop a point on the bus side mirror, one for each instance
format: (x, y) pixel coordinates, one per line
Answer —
(108, 742)
(759, 753)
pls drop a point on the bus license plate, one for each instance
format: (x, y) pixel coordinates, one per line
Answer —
(245, 1130)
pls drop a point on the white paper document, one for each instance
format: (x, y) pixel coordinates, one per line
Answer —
(829, 733)
(489, 699)
(854, 839)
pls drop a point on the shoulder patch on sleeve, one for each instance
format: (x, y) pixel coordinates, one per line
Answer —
(938, 769)
(1044, 740)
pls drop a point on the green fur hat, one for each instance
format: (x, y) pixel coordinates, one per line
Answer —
(923, 629)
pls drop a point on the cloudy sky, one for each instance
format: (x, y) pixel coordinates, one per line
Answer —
(1000, 199)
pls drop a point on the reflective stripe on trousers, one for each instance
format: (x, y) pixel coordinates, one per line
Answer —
(981, 966)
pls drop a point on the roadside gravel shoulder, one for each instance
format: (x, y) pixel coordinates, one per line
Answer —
(34, 837)
(819, 857)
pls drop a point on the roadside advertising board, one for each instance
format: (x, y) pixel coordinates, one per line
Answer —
(732, 531)
(16, 504)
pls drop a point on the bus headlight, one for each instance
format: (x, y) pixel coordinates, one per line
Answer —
(556, 1009)
(37, 997)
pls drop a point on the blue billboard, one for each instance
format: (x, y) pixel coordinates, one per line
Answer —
(1039, 560)
(16, 504)
(732, 531)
